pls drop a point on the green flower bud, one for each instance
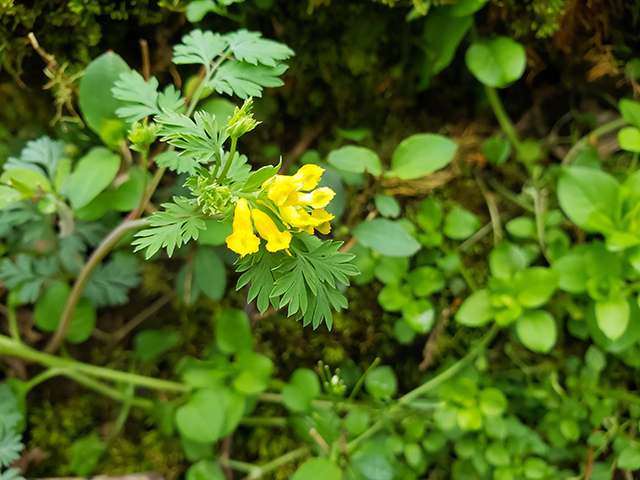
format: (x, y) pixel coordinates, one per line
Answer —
(213, 198)
(142, 136)
(242, 121)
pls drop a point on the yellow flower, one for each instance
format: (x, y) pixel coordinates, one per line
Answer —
(322, 217)
(319, 198)
(243, 241)
(276, 240)
(310, 175)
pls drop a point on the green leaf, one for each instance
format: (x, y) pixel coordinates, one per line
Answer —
(303, 388)
(251, 48)
(176, 162)
(356, 160)
(357, 421)
(572, 273)
(386, 237)
(27, 274)
(202, 418)
(522, 227)
(469, 419)
(613, 316)
(420, 155)
(110, 282)
(387, 205)
(171, 228)
(629, 459)
(535, 468)
(128, 194)
(476, 310)
(205, 469)
(589, 197)
(257, 178)
(150, 344)
(629, 139)
(10, 446)
(85, 453)
(425, 281)
(496, 455)
(419, 314)
(506, 259)
(97, 102)
(497, 62)
(430, 215)
(355, 134)
(200, 139)
(41, 156)
(630, 110)
(199, 47)
(209, 273)
(48, 311)
(381, 382)
(537, 330)
(496, 150)
(534, 286)
(9, 196)
(233, 332)
(93, 173)
(492, 402)
(255, 375)
(318, 469)
(462, 8)
(140, 96)
(460, 224)
(394, 297)
(246, 80)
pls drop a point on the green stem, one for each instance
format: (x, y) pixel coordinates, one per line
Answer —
(12, 317)
(122, 416)
(634, 163)
(236, 465)
(258, 472)
(42, 377)
(462, 268)
(509, 195)
(227, 166)
(78, 287)
(264, 422)
(12, 347)
(502, 117)
(453, 369)
(360, 382)
(364, 435)
(107, 391)
(587, 139)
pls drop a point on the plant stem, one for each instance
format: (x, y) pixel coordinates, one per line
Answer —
(453, 369)
(264, 421)
(94, 260)
(12, 347)
(364, 435)
(587, 139)
(122, 416)
(227, 166)
(12, 317)
(502, 117)
(236, 465)
(360, 381)
(258, 472)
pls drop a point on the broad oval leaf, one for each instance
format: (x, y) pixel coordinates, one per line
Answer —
(476, 310)
(356, 160)
(94, 172)
(209, 273)
(386, 237)
(202, 418)
(589, 197)
(420, 155)
(629, 139)
(534, 286)
(537, 330)
(96, 100)
(613, 316)
(318, 469)
(497, 62)
(233, 332)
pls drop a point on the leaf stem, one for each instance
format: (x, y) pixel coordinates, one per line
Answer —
(360, 381)
(78, 287)
(588, 138)
(259, 472)
(453, 369)
(227, 166)
(12, 317)
(72, 367)
(503, 119)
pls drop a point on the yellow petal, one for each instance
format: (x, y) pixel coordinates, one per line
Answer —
(310, 175)
(281, 187)
(321, 216)
(319, 198)
(243, 241)
(276, 240)
(242, 217)
(324, 228)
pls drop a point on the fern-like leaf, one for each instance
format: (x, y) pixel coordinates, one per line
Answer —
(246, 80)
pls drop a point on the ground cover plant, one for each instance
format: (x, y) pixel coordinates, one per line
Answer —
(455, 303)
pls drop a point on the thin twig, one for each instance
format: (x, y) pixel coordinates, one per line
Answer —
(432, 343)
(146, 63)
(492, 205)
(142, 316)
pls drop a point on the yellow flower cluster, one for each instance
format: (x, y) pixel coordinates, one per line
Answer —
(287, 198)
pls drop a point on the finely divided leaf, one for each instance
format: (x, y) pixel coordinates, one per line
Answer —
(246, 80)
(259, 271)
(251, 48)
(10, 447)
(199, 47)
(170, 99)
(110, 282)
(200, 139)
(40, 156)
(171, 228)
(28, 274)
(142, 96)
(176, 162)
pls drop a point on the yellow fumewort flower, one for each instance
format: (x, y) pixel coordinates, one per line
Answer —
(276, 240)
(282, 187)
(243, 241)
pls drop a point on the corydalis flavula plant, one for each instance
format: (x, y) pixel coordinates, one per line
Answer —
(292, 268)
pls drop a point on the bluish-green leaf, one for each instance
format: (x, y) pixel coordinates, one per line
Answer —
(420, 155)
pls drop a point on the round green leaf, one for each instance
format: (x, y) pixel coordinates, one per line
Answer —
(381, 382)
(522, 227)
(629, 139)
(430, 215)
(205, 470)
(93, 173)
(629, 459)
(202, 419)
(613, 316)
(394, 297)
(51, 304)
(391, 269)
(386, 237)
(497, 62)
(209, 273)
(572, 273)
(496, 150)
(469, 419)
(149, 344)
(419, 314)
(460, 224)
(425, 281)
(233, 332)
(420, 155)
(256, 373)
(128, 195)
(29, 178)
(318, 469)
(387, 205)
(355, 160)
(505, 260)
(403, 332)
(303, 388)
(496, 455)
(414, 455)
(357, 421)
(534, 286)
(492, 402)
(535, 468)
(96, 100)
(630, 110)
(476, 310)
(537, 330)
